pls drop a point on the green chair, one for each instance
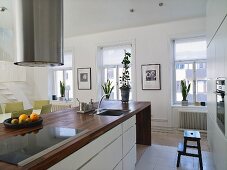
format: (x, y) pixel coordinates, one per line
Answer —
(14, 106)
(16, 114)
(1, 109)
(38, 104)
(46, 109)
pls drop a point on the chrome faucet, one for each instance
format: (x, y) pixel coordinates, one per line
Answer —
(100, 102)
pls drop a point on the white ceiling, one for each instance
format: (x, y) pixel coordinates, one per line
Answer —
(91, 16)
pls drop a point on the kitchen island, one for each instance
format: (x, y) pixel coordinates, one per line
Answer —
(96, 126)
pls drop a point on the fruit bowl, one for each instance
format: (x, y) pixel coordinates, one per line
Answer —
(7, 123)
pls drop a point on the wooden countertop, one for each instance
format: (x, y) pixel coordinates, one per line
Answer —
(96, 126)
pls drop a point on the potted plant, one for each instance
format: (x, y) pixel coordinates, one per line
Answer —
(124, 79)
(62, 91)
(107, 88)
(185, 90)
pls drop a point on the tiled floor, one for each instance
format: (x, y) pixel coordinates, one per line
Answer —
(159, 157)
(162, 155)
(172, 139)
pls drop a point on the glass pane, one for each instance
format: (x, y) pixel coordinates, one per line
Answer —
(114, 55)
(58, 78)
(184, 71)
(68, 84)
(110, 73)
(111, 60)
(190, 49)
(201, 83)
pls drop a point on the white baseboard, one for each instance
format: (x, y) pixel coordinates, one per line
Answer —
(163, 129)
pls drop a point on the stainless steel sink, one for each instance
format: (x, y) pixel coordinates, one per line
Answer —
(107, 112)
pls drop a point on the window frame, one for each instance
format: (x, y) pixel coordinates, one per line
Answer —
(64, 78)
(117, 76)
(53, 71)
(101, 68)
(193, 86)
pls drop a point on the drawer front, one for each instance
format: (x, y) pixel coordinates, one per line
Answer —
(80, 157)
(129, 123)
(129, 161)
(129, 139)
(108, 158)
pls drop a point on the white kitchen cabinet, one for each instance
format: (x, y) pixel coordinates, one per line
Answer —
(223, 34)
(129, 144)
(220, 49)
(216, 67)
(119, 166)
(129, 161)
(211, 63)
(129, 139)
(114, 149)
(108, 158)
(216, 11)
(129, 123)
(81, 157)
(111, 153)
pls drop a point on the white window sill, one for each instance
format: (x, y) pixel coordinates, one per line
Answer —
(189, 106)
(61, 102)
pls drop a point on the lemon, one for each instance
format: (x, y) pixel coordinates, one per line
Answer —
(22, 118)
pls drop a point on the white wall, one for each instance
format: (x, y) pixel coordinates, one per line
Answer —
(152, 45)
(11, 72)
(22, 83)
(38, 78)
(217, 67)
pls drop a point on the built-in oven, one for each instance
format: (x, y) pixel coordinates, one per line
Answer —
(220, 103)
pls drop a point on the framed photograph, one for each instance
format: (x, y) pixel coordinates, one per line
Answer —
(151, 77)
(84, 78)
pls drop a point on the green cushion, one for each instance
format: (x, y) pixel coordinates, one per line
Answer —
(1, 109)
(38, 104)
(46, 109)
(16, 114)
(14, 106)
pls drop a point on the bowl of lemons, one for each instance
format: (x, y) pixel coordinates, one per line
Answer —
(23, 121)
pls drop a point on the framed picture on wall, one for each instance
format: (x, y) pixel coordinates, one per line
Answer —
(151, 77)
(84, 78)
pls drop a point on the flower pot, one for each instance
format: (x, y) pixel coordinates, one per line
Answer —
(125, 94)
(184, 103)
(107, 97)
(62, 98)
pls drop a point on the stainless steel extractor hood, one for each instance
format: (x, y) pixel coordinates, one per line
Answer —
(39, 32)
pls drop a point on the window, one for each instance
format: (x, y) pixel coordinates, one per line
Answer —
(190, 65)
(63, 73)
(111, 67)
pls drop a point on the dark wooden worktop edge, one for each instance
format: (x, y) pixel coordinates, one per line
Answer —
(64, 151)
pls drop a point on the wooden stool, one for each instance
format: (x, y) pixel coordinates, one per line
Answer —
(182, 147)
